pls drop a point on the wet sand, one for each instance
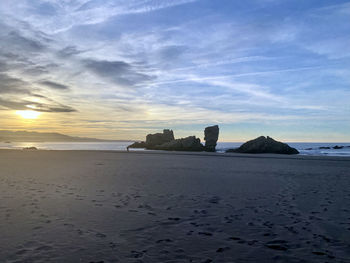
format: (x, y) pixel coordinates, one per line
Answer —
(94, 206)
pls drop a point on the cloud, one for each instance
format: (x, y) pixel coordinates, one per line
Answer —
(51, 106)
(3, 66)
(335, 48)
(36, 70)
(13, 90)
(68, 52)
(23, 50)
(170, 53)
(215, 63)
(16, 40)
(342, 8)
(119, 72)
(54, 85)
(10, 84)
(195, 78)
(57, 16)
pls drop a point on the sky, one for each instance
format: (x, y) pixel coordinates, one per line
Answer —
(118, 69)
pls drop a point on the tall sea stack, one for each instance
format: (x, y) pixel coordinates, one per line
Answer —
(211, 135)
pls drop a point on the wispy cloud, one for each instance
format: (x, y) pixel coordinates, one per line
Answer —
(12, 85)
(54, 85)
(57, 16)
(119, 72)
(42, 104)
(193, 78)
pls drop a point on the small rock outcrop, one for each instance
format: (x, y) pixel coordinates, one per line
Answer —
(265, 145)
(190, 143)
(211, 135)
(159, 138)
(338, 147)
(137, 145)
(30, 148)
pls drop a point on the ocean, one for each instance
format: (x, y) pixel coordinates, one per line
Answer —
(303, 148)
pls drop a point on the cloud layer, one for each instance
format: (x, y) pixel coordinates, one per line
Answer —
(120, 69)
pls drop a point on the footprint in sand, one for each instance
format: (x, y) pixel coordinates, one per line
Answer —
(277, 245)
(43, 248)
(100, 235)
(214, 200)
(136, 254)
(174, 218)
(205, 233)
(222, 249)
(22, 252)
(167, 240)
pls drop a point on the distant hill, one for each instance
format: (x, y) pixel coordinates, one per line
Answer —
(26, 136)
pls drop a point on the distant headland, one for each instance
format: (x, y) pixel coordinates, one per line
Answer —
(29, 136)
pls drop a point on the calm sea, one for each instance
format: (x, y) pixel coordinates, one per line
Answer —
(304, 148)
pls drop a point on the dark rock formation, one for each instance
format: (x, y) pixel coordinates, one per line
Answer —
(265, 145)
(159, 138)
(153, 140)
(211, 135)
(166, 141)
(324, 148)
(30, 148)
(190, 143)
(338, 147)
(137, 145)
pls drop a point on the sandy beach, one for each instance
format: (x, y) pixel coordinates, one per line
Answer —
(100, 206)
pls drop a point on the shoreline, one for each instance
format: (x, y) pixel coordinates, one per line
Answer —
(208, 154)
(221, 147)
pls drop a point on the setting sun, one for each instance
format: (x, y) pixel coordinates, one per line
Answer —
(28, 114)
